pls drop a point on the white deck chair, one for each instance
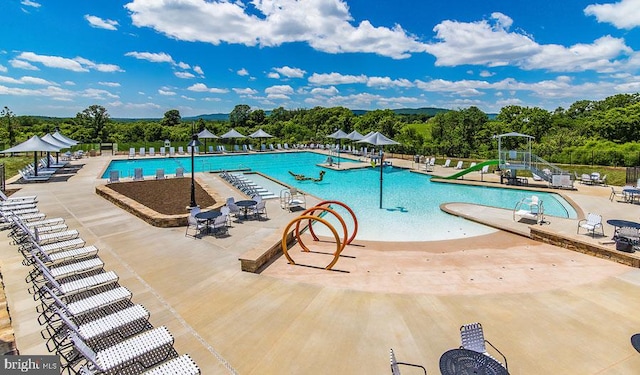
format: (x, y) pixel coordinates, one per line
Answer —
(114, 176)
(14, 198)
(152, 151)
(137, 174)
(459, 165)
(447, 163)
(617, 194)
(132, 153)
(163, 151)
(182, 365)
(592, 223)
(180, 150)
(82, 306)
(125, 352)
(472, 338)
(142, 151)
(219, 225)
(172, 151)
(67, 288)
(198, 226)
(260, 209)
(160, 174)
(179, 172)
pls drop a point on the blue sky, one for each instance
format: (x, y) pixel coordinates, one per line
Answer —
(141, 58)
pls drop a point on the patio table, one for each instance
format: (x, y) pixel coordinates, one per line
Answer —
(463, 361)
(245, 204)
(631, 192)
(208, 216)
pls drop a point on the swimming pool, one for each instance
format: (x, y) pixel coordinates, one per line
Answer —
(411, 202)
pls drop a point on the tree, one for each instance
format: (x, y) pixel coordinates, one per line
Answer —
(171, 118)
(239, 116)
(95, 117)
(8, 115)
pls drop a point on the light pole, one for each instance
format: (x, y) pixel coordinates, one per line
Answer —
(193, 144)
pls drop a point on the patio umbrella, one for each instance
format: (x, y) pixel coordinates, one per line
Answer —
(340, 135)
(206, 134)
(56, 142)
(233, 134)
(33, 144)
(260, 134)
(378, 139)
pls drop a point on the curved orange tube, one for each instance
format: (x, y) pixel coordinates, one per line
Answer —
(353, 215)
(339, 246)
(310, 211)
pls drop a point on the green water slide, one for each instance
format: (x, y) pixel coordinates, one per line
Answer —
(476, 167)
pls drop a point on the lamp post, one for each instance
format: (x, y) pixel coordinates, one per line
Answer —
(193, 144)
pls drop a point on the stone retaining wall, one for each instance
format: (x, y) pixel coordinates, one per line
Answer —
(629, 259)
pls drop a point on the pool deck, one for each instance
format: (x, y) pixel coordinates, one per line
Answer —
(548, 309)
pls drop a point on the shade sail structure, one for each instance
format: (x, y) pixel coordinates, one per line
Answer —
(379, 139)
(260, 134)
(55, 141)
(232, 134)
(207, 134)
(354, 136)
(338, 134)
(60, 136)
(34, 144)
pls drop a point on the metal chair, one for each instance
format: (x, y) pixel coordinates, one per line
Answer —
(591, 224)
(472, 338)
(395, 370)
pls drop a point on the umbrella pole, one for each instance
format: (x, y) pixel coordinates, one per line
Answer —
(35, 163)
(381, 164)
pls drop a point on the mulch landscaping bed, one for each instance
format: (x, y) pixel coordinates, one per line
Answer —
(169, 196)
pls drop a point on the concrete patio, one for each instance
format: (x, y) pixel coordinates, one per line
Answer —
(548, 309)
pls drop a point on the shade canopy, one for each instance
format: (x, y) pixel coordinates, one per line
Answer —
(206, 134)
(34, 144)
(60, 136)
(338, 134)
(260, 134)
(513, 134)
(56, 142)
(232, 134)
(378, 139)
(354, 136)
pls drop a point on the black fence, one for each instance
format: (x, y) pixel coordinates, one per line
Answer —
(633, 174)
(3, 179)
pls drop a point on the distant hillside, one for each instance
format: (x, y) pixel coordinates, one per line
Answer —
(209, 117)
(430, 111)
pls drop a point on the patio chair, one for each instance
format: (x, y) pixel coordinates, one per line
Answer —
(137, 174)
(260, 209)
(152, 151)
(586, 179)
(459, 165)
(114, 176)
(29, 198)
(160, 174)
(163, 151)
(395, 370)
(198, 226)
(219, 225)
(179, 172)
(592, 223)
(142, 151)
(629, 235)
(472, 338)
(617, 194)
(172, 151)
(180, 150)
(129, 352)
(447, 163)
(132, 153)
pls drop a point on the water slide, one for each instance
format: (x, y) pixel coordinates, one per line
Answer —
(476, 167)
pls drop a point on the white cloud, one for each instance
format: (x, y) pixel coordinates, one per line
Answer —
(245, 91)
(198, 70)
(183, 65)
(325, 25)
(243, 72)
(152, 57)
(201, 87)
(100, 23)
(279, 92)
(166, 92)
(109, 84)
(290, 72)
(336, 79)
(385, 82)
(623, 14)
(37, 81)
(98, 94)
(21, 64)
(3, 69)
(30, 3)
(486, 73)
(492, 44)
(329, 91)
(273, 75)
(11, 80)
(184, 75)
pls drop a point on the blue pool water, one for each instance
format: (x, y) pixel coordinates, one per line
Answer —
(411, 202)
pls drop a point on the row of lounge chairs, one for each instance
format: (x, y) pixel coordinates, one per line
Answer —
(88, 318)
(46, 168)
(138, 175)
(221, 149)
(241, 182)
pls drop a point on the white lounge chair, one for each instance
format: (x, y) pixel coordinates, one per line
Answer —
(152, 151)
(16, 198)
(179, 172)
(137, 174)
(592, 223)
(172, 151)
(132, 153)
(163, 151)
(447, 163)
(160, 174)
(182, 365)
(459, 165)
(142, 151)
(114, 176)
(180, 150)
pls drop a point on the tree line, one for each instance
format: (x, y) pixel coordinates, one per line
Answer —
(604, 132)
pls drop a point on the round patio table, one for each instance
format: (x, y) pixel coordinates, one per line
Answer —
(468, 362)
(635, 342)
(207, 216)
(618, 223)
(245, 204)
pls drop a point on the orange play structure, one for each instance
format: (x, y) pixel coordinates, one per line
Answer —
(311, 216)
